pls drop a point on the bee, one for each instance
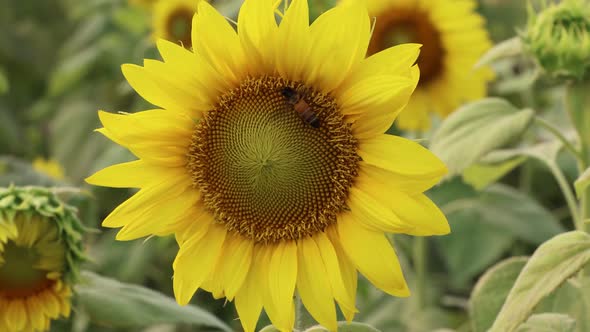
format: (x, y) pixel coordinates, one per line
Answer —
(301, 106)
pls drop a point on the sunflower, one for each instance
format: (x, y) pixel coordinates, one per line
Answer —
(454, 38)
(172, 20)
(39, 250)
(262, 203)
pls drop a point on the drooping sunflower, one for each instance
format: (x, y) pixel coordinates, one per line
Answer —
(453, 36)
(40, 250)
(262, 203)
(172, 20)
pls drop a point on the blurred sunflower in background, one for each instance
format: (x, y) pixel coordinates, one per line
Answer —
(453, 36)
(268, 161)
(49, 167)
(40, 250)
(172, 20)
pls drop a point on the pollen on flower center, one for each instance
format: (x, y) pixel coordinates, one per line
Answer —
(409, 25)
(265, 172)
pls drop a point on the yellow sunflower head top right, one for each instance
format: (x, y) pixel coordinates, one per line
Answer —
(453, 37)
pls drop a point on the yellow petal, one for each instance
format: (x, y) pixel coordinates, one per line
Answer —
(345, 299)
(237, 256)
(217, 43)
(133, 174)
(402, 157)
(195, 260)
(375, 91)
(347, 272)
(380, 118)
(158, 136)
(313, 284)
(385, 208)
(282, 276)
(248, 298)
(292, 51)
(339, 40)
(372, 210)
(146, 201)
(395, 61)
(373, 256)
(156, 88)
(159, 216)
(420, 213)
(16, 315)
(258, 31)
(196, 70)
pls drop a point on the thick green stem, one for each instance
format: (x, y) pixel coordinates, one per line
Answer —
(420, 265)
(567, 193)
(578, 107)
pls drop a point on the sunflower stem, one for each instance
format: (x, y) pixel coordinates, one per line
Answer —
(420, 247)
(557, 133)
(567, 193)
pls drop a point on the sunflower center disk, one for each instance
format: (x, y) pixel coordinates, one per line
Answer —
(179, 26)
(267, 173)
(19, 276)
(410, 25)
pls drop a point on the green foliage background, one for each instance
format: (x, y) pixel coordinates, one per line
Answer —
(60, 62)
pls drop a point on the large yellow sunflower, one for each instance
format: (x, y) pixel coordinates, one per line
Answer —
(172, 20)
(264, 204)
(454, 38)
(40, 247)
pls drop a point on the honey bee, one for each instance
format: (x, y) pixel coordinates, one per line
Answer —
(301, 106)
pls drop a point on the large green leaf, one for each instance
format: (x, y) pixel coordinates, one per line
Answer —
(476, 129)
(482, 175)
(510, 210)
(552, 263)
(112, 303)
(472, 246)
(548, 322)
(491, 291)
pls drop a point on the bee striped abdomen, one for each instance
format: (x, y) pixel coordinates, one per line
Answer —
(301, 107)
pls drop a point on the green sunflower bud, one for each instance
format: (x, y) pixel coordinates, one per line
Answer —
(40, 256)
(559, 38)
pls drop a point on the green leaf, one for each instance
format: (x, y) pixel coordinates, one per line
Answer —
(72, 70)
(552, 263)
(512, 211)
(573, 299)
(477, 129)
(482, 175)
(582, 182)
(508, 48)
(115, 304)
(491, 291)
(472, 246)
(548, 322)
(345, 327)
